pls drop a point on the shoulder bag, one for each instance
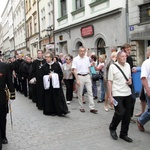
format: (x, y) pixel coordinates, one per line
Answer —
(123, 75)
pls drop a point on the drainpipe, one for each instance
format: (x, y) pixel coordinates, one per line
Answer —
(127, 22)
(13, 25)
(54, 27)
(39, 23)
(25, 24)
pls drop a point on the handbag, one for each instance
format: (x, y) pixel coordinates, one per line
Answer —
(123, 75)
(95, 77)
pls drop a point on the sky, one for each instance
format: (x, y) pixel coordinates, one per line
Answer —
(2, 6)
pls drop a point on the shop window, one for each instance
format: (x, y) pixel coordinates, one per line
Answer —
(63, 7)
(144, 13)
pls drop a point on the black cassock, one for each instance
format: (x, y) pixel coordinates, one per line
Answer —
(37, 89)
(54, 102)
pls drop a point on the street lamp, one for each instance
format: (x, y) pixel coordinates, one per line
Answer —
(49, 29)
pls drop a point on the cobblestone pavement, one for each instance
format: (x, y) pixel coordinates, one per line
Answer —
(77, 131)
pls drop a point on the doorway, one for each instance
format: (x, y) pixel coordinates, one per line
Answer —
(101, 47)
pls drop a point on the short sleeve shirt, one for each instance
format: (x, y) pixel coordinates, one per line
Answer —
(81, 64)
(145, 70)
(119, 86)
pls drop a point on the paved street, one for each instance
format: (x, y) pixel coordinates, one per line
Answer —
(77, 131)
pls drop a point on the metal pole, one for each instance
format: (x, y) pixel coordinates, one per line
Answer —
(11, 116)
(54, 26)
(127, 21)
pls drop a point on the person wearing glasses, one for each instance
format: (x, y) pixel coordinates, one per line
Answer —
(54, 102)
(119, 90)
(68, 78)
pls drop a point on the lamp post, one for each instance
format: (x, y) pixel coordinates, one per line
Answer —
(50, 34)
(49, 29)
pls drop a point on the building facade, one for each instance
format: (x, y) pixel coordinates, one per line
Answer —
(11, 28)
(5, 31)
(139, 21)
(95, 24)
(46, 25)
(32, 26)
(1, 39)
(19, 26)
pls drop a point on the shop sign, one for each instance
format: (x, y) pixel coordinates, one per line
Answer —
(50, 46)
(87, 31)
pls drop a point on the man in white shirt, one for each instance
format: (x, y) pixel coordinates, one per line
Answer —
(81, 72)
(119, 90)
(145, 78)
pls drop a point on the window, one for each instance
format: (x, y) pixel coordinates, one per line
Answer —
(49, 14)
(34, 1)
(29, 4)
(35, 23)
(26, 6)
(43, 21)
(30, 27)
(79, 4)
(144, 13)
(63, 7)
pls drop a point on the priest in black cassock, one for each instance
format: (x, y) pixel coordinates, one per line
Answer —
(35, 76)
(54, 102)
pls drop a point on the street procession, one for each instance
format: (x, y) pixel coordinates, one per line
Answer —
(74, 77)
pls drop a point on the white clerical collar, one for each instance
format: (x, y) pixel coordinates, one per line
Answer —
(51, 63)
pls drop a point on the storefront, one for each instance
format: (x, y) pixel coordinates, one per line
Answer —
(98, 34)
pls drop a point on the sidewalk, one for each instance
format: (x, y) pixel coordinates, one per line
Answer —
(77, 131)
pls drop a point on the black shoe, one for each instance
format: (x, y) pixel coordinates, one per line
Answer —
(126, 138)
(113, 134)
(67, 112)
(94, 111)
(5, 141)
(95, 98)
(82, 110)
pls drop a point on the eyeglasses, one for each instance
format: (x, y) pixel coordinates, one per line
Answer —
(68, 59)
(47, 56)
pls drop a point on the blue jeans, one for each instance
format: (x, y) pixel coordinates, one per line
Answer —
(145, 117)
(94, 88)
(102, 91)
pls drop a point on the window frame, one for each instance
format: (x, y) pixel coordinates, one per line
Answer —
(143, 13)
(63, 5)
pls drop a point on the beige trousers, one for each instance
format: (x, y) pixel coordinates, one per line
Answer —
(85, 80)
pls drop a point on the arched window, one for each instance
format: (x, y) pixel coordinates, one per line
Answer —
(100, 46)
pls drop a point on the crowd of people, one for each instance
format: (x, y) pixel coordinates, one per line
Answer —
(42, 80)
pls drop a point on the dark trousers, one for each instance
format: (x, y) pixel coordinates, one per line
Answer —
(20, 85)
(33, 92)
(24, 86)
(69, 89)
(16, 84)
(122, 114)
(0, 140)
(3, 113)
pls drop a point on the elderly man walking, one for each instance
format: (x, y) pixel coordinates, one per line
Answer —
(119, 90)
(81, 72)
